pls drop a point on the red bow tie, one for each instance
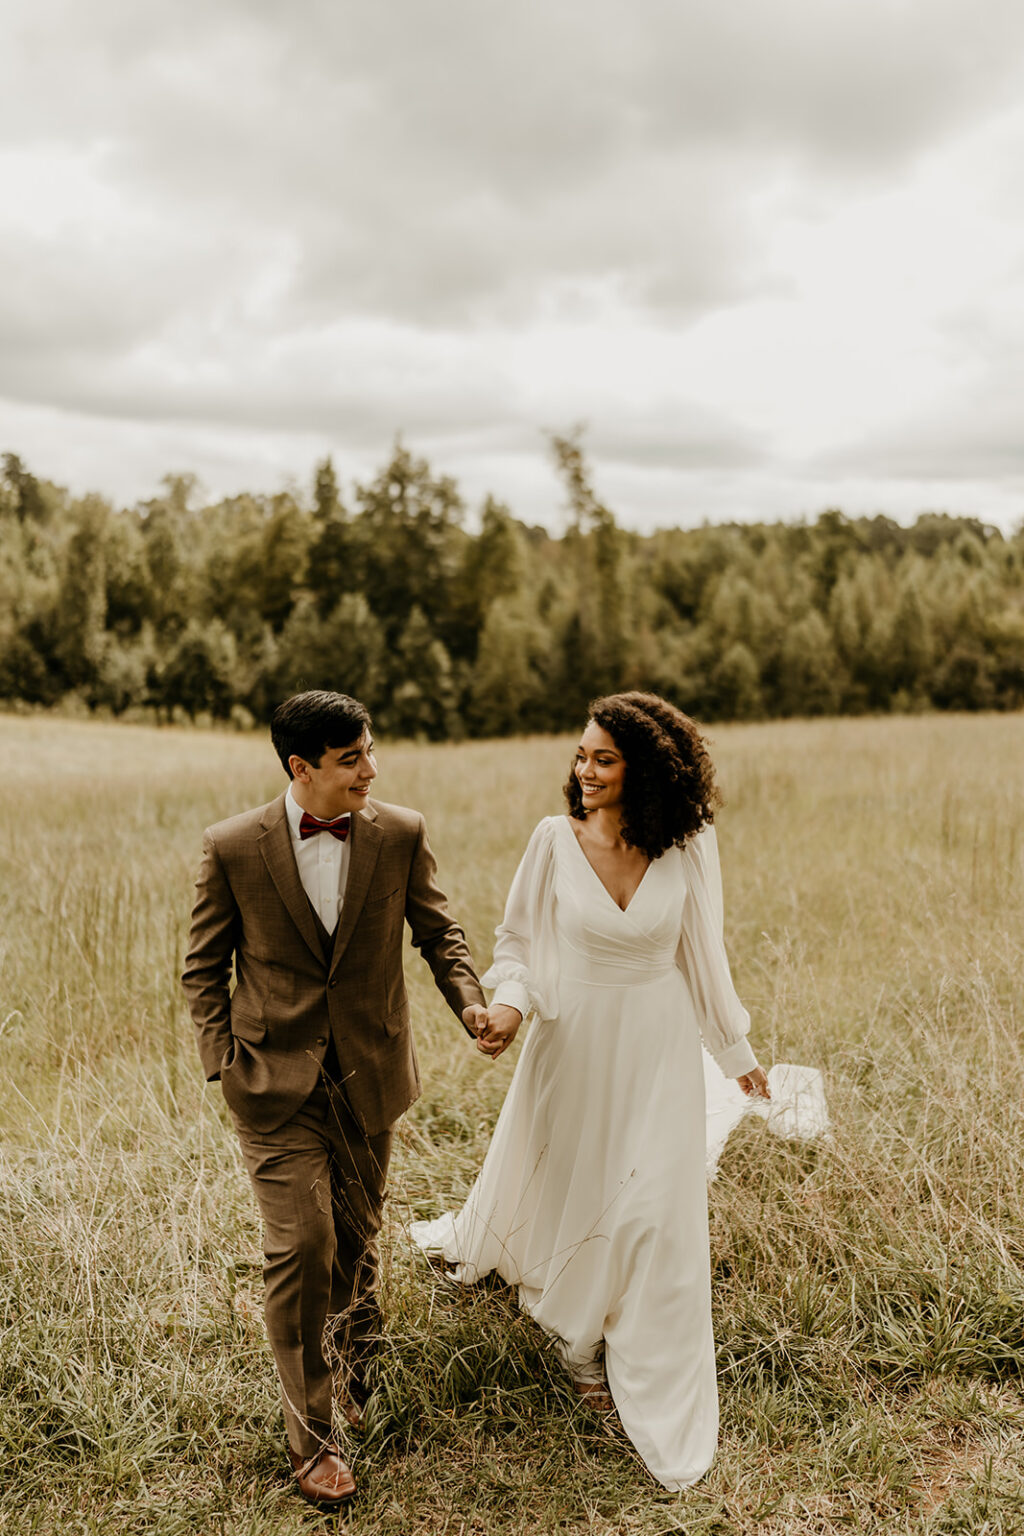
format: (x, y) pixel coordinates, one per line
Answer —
(309, 826)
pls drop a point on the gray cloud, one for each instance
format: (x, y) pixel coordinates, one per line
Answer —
(684, 437)
(281, 391)
(445, 163)
(969, 441)
(247, 185)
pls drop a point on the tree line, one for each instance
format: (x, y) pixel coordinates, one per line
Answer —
(171, 609)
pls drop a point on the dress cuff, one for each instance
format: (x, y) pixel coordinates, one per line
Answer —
(737, 1059)
(512, 994)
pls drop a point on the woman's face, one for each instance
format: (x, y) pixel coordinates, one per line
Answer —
(600, 769)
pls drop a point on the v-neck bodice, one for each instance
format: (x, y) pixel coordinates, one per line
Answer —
(597, 877)
(602, 944)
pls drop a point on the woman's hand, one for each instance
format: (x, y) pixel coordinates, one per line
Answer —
(495, 1028)
(755, 1084)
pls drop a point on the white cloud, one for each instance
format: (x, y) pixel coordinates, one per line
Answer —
(753, 248)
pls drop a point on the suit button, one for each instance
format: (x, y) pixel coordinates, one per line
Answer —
(333, 981)
(321, 1039)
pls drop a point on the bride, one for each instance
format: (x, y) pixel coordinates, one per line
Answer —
(592, 1197)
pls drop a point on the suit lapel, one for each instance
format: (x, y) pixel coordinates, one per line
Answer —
(366, 838)
(276, 848)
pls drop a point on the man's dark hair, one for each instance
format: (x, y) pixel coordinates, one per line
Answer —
(307, 724)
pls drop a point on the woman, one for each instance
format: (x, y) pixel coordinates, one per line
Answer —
(592, 1197)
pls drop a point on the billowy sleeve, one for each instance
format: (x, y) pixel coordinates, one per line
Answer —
(724, 1022)
(524, 971)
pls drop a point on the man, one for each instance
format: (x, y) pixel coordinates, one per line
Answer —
(306, 898)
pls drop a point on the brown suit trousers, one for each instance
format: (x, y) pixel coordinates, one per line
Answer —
(314, 1052)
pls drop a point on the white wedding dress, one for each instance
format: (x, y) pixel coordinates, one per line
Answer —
(592, 1198)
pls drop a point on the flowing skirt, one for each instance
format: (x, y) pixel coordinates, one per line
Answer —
(592, 1199)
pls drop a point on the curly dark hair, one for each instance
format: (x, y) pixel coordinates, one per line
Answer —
(669, 792)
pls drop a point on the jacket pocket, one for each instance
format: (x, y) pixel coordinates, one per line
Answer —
(248, 1029)
(395, 1022)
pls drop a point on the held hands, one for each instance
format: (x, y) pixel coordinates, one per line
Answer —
(494, 1027)
(755, 1084)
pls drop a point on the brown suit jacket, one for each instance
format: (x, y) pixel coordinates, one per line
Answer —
(266, 1039)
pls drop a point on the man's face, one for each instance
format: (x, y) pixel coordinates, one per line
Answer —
(340, 782)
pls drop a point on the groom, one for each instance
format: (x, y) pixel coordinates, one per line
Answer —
(306, 899)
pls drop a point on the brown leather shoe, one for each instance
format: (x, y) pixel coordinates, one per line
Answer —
(323, 1478)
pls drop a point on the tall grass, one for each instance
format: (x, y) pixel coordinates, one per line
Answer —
(869, 1295)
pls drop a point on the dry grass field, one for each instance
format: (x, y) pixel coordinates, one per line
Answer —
(869, 1294)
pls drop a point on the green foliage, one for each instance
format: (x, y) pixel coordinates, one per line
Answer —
(407, 543)
(509, 693)
(499, 628)
(198, 674)
(736, 681)
(79, 619)
(21, 495)
(330, 565)
(593, 636)
(345, 650)
(421, 698)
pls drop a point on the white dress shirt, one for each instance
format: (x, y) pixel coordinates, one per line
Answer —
(323, 865)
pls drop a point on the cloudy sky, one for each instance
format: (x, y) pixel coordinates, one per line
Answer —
(770, 252)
